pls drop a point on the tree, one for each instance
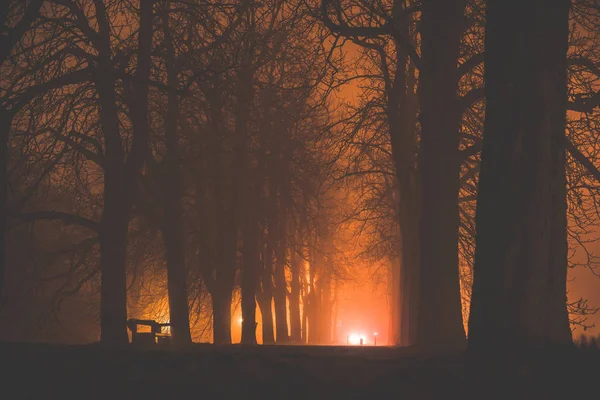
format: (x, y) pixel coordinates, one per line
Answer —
(440, 313)
(12, 31)
(173, 207)
(519, 288)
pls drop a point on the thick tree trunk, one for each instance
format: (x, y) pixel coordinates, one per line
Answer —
(326, 310)
(440, 326)
(402, 114)
(113, 252)
(313, 307)
(280, 293)
(115, 214)
(173, 207)
(221, 302)
(305, 321)
(409, 273)
(250, 280)
(221, 275)
(265, 302)
(395, 302)
(295, 321)
(265, 298)
(5, 124)
(119, 173)
(519, 291)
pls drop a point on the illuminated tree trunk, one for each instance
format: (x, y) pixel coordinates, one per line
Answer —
(221, 302)
(265, 297)
(250, 279)
(440, 326)
(313, 307)
(395, 302)
(295, 321)
(305, 320)
(401, 108)
(409, 272)
(173, 208)
(241, 191)
(220, 276)
(326, 309)
(519, 291)
(280, 294)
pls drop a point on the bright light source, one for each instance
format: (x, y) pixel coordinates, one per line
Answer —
(375, 333)
(241, 320)
(355, 338)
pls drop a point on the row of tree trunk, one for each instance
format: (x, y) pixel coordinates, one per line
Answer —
(520, 265)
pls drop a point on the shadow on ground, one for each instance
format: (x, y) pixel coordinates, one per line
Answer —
(43, 371)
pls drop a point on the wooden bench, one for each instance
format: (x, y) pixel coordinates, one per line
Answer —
(155, 336)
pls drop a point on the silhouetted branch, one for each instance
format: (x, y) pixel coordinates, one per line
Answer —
(582, 159)
(69, 219)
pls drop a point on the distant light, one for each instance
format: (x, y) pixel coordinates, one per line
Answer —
(241, 320)
(375, 333)
(355, 338)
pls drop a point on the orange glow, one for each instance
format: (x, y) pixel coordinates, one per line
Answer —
(356, 338)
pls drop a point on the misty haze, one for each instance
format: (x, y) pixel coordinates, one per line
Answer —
(300, 199)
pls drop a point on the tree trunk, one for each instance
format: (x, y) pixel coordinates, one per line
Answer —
(265, 298)
(250, 279)
(295, 322)
(280, 293)
(409, 272)
(395, 302)
(221, 302)
(115, 214)
(5, 124)
(265, 302)
(440, 326)
(313, 308)
(221, 275)
(305, 322)
(519, 291)
(113, 248)
(326, 309)
(401, 114)
(173, 207)
(119, 173)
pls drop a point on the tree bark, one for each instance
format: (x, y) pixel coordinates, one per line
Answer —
(5, 125)
(119, 173)
(265, 297)
(295, 321)
(409, 270)
(221, 302)
(401, 115)
(250, 277)
(519, 292)
(173, 207)
(326, 309)
(115, 214)
(7, 42)
(440, 326)
(280, 293)
(394, 301)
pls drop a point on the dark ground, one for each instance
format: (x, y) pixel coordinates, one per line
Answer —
(43, 371)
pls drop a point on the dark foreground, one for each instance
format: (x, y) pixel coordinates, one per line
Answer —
(40, 371)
